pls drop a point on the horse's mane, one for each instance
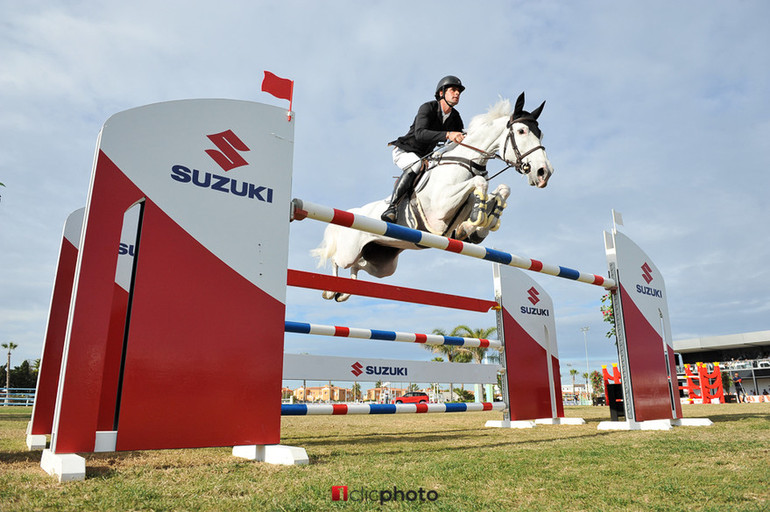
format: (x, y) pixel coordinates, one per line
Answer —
(500, 109)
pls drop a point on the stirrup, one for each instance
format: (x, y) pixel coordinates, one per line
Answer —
(478, 216)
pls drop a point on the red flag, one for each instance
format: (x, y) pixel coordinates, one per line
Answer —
(279, 87)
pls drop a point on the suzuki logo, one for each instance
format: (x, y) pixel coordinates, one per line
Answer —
(356, 368)
(533, 293)
(228, 144)
(646, 273)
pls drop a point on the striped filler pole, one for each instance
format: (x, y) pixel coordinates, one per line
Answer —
(304, 209)
(373, 334)
(345, 409)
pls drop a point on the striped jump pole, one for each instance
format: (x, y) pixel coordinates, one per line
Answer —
(373, 334)
(346, 409)
(305, 209)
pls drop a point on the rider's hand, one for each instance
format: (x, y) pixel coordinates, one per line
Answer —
(455, 136)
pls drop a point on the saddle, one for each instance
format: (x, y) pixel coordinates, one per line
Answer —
(437, 158)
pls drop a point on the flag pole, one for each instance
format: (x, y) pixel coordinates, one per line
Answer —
(291, 101)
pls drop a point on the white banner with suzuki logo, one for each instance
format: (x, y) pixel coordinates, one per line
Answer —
(358, 369)
(645, 347)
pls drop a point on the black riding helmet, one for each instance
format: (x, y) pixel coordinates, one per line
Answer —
(448, 81)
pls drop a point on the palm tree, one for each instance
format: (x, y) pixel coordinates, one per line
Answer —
(477, 353)
(572, 373)
(454, 353)
(450, 351)
(462, 354)
(10, 346)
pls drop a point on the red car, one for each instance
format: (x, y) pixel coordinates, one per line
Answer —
(412, 397)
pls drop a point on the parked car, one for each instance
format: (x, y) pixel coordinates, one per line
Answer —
(412, 397)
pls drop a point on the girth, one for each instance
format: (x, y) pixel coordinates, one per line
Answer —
(473, 167)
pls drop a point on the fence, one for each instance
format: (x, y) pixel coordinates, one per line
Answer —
(17, 396)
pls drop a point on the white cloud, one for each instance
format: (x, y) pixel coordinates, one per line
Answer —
(662, 117)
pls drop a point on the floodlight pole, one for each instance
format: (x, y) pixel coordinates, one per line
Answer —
(584, 330)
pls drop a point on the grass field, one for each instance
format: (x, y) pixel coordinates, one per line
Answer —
(465, 467)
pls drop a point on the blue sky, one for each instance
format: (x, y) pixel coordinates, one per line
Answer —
(656, 109)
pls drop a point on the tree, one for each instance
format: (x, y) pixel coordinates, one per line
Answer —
(356, 391)
(597, 383)
(462, 354)
(727, 381)
(608, 315)
(464, 395)
(10, 346)
(450, 351)
(572, 373)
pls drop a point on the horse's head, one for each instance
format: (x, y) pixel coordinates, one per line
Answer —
(522, 148)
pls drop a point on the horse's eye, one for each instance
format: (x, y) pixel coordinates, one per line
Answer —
(522, 131)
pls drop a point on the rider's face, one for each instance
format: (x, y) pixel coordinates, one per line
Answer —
(452, 96)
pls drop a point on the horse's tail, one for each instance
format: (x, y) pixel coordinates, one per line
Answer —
(328, 246)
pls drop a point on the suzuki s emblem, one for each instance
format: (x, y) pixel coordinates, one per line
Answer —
(229, 145)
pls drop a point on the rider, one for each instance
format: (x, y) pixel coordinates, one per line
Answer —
(435, 121)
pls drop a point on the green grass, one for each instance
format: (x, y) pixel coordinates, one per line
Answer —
(722, 467)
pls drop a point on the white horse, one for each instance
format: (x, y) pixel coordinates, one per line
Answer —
(452, 198)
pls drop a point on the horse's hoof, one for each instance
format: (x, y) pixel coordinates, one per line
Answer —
(341, 297)
(328, 295)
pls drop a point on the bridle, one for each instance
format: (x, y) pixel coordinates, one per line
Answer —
(519, 164)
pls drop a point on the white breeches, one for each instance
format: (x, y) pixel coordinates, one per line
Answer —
(405, 160)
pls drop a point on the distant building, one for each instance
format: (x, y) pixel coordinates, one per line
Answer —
(747, 354)
(732, 347)
(325, 393)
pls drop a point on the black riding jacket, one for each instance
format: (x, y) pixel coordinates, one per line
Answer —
(428, 129)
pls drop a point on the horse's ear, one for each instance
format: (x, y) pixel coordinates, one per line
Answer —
(539, 110)
(519, 108)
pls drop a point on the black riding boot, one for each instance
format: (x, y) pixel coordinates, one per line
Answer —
(401, 188)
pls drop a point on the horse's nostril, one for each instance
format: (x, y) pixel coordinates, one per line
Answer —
(541, 172)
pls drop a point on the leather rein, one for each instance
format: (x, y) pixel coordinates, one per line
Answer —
(478, 169)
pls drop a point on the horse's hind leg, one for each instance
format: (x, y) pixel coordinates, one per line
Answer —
(339, 296)
(342, 297)
(327, 294)
(478, 216)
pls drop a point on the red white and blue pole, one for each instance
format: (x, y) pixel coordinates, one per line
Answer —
(346, 409)
(305, 209)
(374, 334)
